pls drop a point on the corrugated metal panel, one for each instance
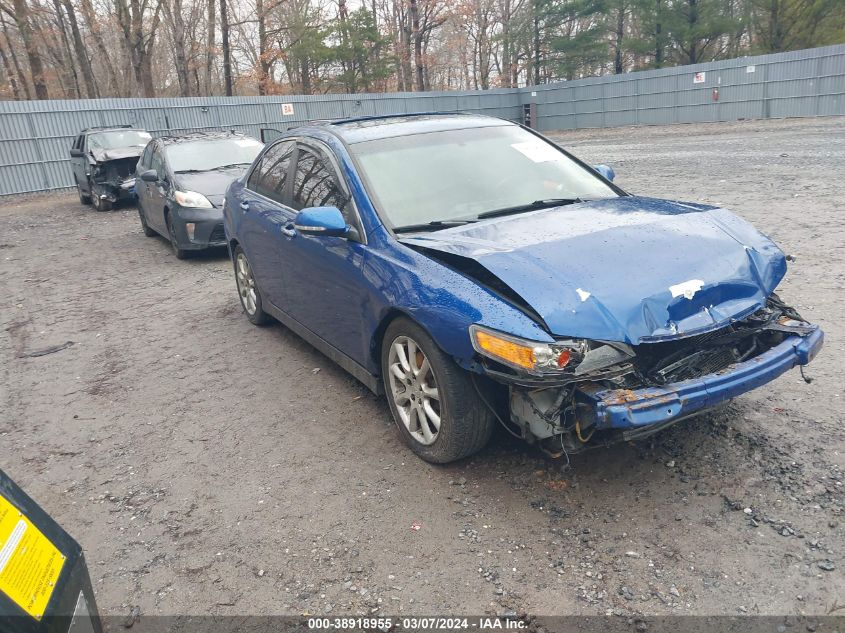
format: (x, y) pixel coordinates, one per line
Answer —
(35, 136)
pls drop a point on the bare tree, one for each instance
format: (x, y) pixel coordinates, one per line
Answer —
(94, 26)
(20, 14)
(139, 41)
(173, 14)
(227, 54)
(79, 49)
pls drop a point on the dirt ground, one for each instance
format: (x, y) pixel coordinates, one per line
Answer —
(209, 466)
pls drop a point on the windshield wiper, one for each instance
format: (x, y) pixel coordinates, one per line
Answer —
(531, 206)
(190, 171)
(435, 225)
(230, 166)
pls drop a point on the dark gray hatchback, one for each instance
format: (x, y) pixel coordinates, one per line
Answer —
(181, 182)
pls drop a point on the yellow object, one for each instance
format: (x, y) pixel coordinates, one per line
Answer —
(29, 562)
(506, 350)
(578, 433)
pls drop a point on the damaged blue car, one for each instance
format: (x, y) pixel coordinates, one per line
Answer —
(476, 273)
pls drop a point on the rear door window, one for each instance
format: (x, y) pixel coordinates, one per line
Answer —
(270, 176)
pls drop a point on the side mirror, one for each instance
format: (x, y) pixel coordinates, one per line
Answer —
(151, 175)
(605, 171)
(76, 153)
(324, 221)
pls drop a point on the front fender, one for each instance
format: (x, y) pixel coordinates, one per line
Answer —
(441, 300)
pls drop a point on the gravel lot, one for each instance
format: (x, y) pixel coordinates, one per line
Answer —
(209, 466)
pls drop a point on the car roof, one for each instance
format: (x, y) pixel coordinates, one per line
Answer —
(171, 139)
(113, 128)
(371, 128)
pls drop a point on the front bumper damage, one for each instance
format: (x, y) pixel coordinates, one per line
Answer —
(638, 410)
(665, 382)
(113, 180)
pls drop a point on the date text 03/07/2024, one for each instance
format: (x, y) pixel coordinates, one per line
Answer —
(416, 623)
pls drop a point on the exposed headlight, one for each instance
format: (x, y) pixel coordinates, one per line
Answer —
(192, 199)
(529, 356)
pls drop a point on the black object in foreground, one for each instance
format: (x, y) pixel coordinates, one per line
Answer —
(44, 581)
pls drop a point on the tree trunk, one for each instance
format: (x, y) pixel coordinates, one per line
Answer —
(227, 55)
(658, 35)
(18, 70)
(418, 61)
(209, 43)
(507, 70)
(177, 26)
(407, 56)
(94, 27)
(396, 29)
(68, 70)
(692, 20)
(80, 52)
(263, 64)
(36, 68)
(620, 34)
(536, 16)
(10, 73)
(306, 77)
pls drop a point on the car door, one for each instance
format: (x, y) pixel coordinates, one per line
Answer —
(323, 280)
(79, 163)
(142, 186)
(156, 193)
(265, 210)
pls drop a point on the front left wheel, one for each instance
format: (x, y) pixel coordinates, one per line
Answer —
(434, 402)
(101, 204)
(180, 253)
(84, 198)
(144, 226)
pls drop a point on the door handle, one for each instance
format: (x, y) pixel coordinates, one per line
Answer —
(245, 205)
(288, 230)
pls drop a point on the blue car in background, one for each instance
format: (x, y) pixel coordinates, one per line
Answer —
(474, 272)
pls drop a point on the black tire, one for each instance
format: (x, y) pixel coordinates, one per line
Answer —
(84, 198)
(180, 253)
(144, 226)
(102, 204)
(466, 423)
(258, 317)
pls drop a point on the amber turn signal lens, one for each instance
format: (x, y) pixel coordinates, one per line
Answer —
(506, 350)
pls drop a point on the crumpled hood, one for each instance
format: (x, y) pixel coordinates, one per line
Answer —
(119, 153)
(627, 269)
(211, 184)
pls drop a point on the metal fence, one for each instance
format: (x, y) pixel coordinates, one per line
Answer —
(35, 136)
(795, 84)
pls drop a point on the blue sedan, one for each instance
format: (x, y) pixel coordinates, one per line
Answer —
(476, 273)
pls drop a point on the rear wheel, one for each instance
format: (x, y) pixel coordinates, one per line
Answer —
(180, 253)
(248, 290)
(433, 401)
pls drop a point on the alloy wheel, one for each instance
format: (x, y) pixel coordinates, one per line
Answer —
(246, 284)
(413, 388)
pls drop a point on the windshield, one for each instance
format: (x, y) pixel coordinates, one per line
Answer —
(461, 174)
(116, 139)
(205, 155)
